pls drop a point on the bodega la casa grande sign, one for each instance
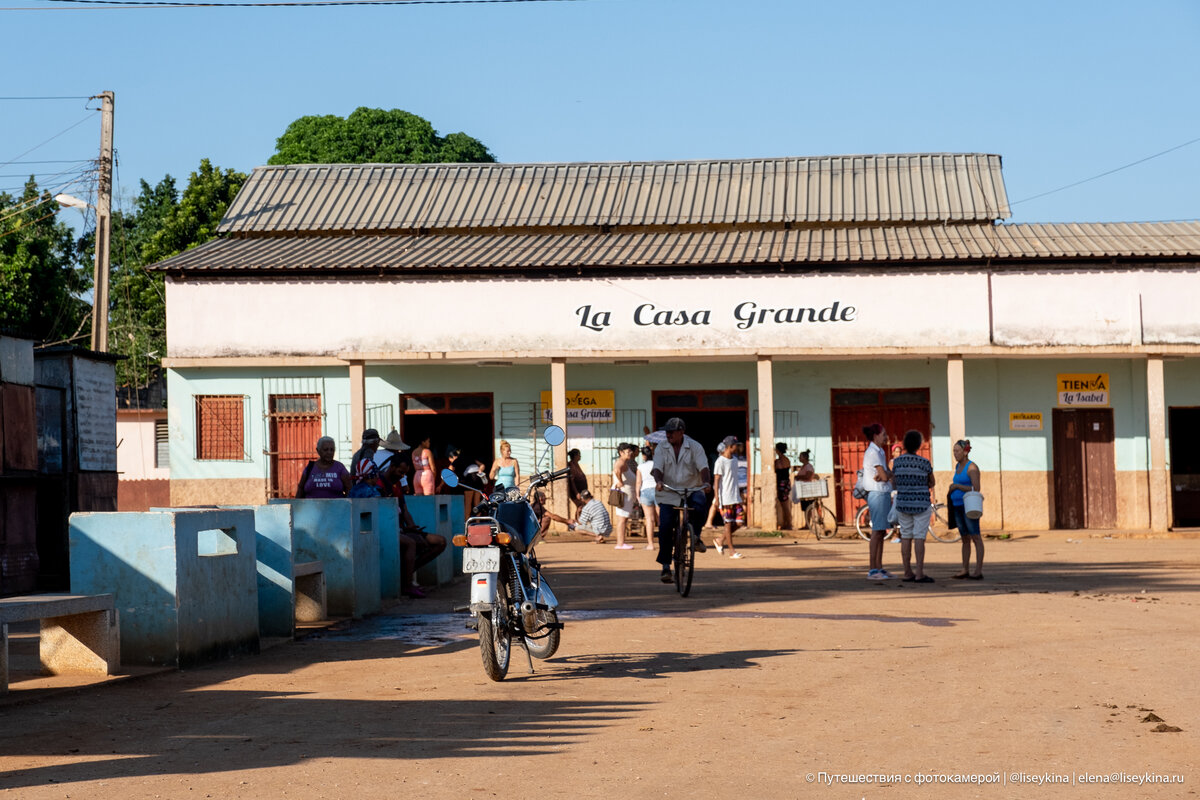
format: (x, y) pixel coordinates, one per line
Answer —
(1077, 389)
(584, 407)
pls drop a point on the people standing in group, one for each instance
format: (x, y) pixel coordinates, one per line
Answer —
(646, 494)
(877, 481)
(423, 476)
(725, 485)
(680, 462)
(966, 479)
(325, 476)
(506, 470)
(912, 476)
(783, 487)
(577, 482)
(713, 507)
(624, 480)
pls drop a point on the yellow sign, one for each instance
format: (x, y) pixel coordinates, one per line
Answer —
(588, 407)
(1083, 389)
(1025, 421)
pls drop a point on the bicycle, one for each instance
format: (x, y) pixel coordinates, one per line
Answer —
(818, 517)
(938, 526)
(685, 537)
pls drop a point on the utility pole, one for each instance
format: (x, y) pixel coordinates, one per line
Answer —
(103, 225)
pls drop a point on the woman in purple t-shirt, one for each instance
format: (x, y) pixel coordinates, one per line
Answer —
(325, 477)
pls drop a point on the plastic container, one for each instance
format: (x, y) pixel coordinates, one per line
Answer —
(973, 504)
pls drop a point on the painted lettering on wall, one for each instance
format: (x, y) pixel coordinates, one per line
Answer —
(744, 315)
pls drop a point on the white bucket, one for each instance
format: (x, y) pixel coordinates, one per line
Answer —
(973, 504)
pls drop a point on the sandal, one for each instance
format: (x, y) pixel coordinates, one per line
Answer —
(924, 579)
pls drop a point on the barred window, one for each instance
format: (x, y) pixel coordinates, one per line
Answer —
(162, 444)
(220, 427)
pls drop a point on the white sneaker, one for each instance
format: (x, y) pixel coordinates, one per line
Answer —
(873, 575)
(720, 547)
(887, 576)
(737, 555)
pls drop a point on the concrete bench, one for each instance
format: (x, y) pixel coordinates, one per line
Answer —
(79, 633)
(308, 582)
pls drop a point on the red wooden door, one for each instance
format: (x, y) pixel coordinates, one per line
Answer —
(898, 410)
(1085, 473)
(295, 426)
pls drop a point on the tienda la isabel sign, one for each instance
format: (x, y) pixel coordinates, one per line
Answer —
(1090, 389)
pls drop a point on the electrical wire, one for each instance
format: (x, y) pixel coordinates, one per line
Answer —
(79, 5)
(46, 98)
(1109, 172)
(52, 138)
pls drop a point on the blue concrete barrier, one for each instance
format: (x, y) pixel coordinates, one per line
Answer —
(185, 581)
(443, 515)
(343, 534)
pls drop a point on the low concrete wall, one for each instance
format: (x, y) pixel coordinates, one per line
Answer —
(343, 534)
(185, 581)
(443, 515)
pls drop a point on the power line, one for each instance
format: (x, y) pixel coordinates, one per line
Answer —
(1109, 172)
(47, 98)
(52, 138)
(130, 4)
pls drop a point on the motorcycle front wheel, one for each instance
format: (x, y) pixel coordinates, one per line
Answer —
(495, 636)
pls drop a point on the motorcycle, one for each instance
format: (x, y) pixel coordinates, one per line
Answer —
(510, 597)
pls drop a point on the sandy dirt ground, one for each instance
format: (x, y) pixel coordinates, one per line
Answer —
(785, 674)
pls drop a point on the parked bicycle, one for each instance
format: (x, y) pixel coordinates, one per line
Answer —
(938, 526)
(818, 517)
(685, 538)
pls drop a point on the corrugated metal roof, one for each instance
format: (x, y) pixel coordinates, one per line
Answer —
(863, 189)
(694, 249)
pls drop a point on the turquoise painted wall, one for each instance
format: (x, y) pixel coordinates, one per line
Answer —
(994, 388)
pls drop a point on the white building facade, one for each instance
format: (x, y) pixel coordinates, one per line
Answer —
(787, 300)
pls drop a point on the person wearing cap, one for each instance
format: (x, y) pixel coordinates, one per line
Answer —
(680, 462)
(728, 495)
(326, 476)
(370, 443)
(712, 508)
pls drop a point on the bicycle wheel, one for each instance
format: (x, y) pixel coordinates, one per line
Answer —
(822, 521)
(862, 522)
(937, 526)
(685, 557)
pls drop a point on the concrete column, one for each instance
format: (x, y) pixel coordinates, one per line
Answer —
(558, 405)
(1156, 407)
(956, 398)
(358, 402)
(766, 444)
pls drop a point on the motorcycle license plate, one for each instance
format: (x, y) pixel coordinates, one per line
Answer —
(480, 559)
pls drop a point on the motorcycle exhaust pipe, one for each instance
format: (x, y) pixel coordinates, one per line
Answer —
(528, 616)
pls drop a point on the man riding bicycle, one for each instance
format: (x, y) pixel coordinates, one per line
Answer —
(680, 462)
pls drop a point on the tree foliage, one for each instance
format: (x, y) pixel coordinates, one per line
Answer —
(41, 279)
(160, 225)
(374, 136)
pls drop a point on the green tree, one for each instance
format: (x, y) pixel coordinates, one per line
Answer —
(374, 136)
(41, 280)
(159, 226)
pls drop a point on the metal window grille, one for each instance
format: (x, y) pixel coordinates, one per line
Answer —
(162, 442)
(221, 427)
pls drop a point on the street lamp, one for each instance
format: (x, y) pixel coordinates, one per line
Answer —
(100, 270)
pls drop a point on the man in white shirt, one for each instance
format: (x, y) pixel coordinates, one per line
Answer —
(679, 462)
(729, 495)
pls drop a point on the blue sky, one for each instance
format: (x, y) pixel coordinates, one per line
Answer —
(1062, 90)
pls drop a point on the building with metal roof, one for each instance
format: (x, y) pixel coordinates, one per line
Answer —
(775, 299)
